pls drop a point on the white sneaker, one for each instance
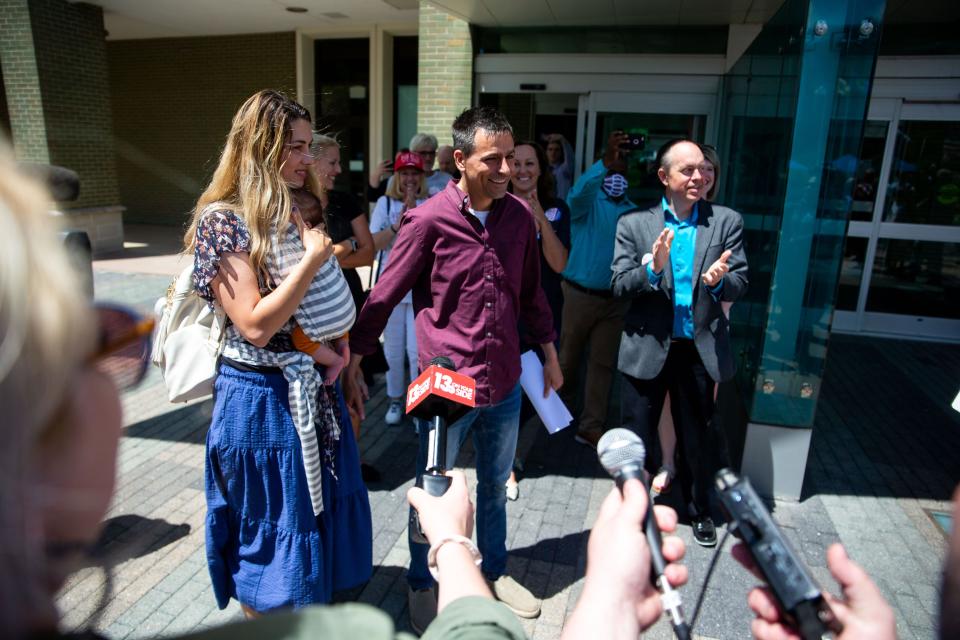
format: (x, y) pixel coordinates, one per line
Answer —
(394, 413)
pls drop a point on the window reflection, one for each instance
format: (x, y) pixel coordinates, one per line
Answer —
(851, 273)
(868, 171)
(925, 178)
(916, 278)
(645, 187)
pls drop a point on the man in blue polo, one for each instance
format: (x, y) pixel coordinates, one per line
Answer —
(592, 317)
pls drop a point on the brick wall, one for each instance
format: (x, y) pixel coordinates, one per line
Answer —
(173, 100)
(21, 82)
(445, 79)
(72, 64)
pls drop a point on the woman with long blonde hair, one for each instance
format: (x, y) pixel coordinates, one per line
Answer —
(282, 473)
(346, 223)
(61, 364)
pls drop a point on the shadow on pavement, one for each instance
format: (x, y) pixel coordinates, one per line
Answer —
(560, 455)
(884, 424)
(131, 536)
(569, 550)
(186, 424)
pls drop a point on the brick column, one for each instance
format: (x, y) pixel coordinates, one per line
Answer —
(445, 77)
(21, 82)
(57, 87)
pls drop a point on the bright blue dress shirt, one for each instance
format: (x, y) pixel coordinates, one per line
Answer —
(681, 260)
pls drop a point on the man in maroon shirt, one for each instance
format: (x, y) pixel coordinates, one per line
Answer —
(470, 256)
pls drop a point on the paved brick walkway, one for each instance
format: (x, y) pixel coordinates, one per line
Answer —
(885, 448)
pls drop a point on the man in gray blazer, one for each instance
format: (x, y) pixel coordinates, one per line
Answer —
(676, 262)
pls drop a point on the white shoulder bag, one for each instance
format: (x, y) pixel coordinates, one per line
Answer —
(188, 340)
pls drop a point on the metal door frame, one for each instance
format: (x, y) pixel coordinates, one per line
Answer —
(893, 111)
(696, 104)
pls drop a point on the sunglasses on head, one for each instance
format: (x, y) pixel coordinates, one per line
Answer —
(123, 350)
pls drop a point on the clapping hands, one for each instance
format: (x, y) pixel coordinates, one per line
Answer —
(712, 276)
(661, 250)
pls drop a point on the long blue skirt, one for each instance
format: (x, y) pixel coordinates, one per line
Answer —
(265, 547)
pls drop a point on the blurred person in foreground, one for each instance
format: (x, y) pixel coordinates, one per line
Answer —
(59, 371)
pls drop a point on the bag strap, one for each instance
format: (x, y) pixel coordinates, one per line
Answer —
(218, 329)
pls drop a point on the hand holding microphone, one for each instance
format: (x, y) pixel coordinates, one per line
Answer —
(622, 454)
(439, 395)
(619, 600)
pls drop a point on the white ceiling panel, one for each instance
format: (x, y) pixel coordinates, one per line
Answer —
(128, 19)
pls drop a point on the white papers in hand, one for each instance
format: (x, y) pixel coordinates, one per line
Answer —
(553, 413)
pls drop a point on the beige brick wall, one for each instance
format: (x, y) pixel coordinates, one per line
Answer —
(445, 78)
(173, 100)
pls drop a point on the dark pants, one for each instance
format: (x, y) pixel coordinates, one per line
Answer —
(701, 446)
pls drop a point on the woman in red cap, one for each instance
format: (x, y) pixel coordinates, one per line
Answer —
(406, 191)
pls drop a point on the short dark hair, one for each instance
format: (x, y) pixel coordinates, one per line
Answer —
(467, 124)
(310, 207)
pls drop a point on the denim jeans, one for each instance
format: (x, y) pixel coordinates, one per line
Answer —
(494, 431)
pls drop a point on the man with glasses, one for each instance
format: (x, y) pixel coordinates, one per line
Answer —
(425, 146)
(676, 263)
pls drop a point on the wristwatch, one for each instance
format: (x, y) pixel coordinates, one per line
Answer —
(354, 245)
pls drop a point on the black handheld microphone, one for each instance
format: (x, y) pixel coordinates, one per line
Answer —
(439, 395)
(622, 454)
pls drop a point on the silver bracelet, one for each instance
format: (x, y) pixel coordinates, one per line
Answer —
(466, 542)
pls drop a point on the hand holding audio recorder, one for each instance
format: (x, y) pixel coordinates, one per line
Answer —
(797, 595)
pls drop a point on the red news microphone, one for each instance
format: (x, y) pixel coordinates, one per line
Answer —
(440, 396)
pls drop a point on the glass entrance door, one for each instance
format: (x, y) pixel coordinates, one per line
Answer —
(901, 266)
(660, 117)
